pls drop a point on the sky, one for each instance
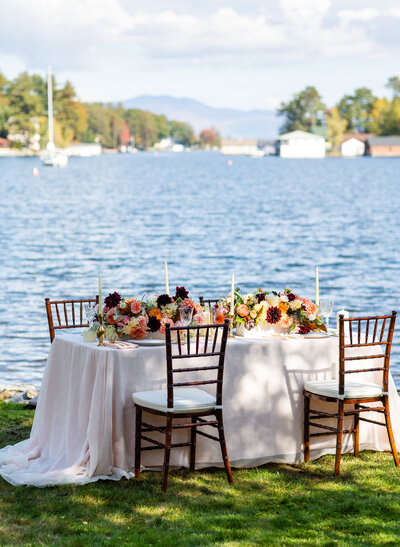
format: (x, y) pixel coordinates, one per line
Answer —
(240, 54)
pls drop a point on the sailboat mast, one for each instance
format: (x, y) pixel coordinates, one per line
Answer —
(50, 106)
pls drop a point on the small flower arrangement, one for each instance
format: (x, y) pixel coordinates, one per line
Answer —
(286, 310)
(162, 309)
(140, 318)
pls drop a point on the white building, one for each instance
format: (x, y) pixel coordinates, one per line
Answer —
(300, 144)
(240, 147)
(352, 147)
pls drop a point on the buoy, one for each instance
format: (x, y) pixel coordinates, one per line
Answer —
(230, 162)
(35, 172)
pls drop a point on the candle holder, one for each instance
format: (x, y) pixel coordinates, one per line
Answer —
(101, 331)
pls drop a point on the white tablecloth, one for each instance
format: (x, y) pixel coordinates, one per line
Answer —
(84, 424)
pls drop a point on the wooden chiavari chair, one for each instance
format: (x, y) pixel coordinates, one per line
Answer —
(209, 303)
(67, 314)
(182, 400)
(369, 332)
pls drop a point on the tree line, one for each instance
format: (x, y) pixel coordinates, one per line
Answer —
(23, 115)
(359, 112)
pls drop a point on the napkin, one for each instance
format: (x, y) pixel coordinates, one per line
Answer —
(120, 345)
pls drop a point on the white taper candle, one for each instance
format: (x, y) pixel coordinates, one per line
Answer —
(100, 296)
(166, 277)
(233, 295)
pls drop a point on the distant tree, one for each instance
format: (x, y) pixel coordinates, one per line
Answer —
(209, 138)
(305, 110)
(394, 84)
(4, 102)
(182, 133)
(336, 127)
(386, 117)
(357, 109)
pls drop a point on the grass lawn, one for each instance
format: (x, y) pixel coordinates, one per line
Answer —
(271, 505)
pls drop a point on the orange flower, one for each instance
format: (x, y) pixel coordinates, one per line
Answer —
(110, 316)
(155, 312)
(187, 303)
(285, 321)
(283, 306)
(219, 318)
(242, 310)
(311, 308)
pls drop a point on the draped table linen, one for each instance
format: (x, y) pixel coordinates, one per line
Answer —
(84, 423)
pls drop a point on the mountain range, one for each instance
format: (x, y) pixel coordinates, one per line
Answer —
(257, 124)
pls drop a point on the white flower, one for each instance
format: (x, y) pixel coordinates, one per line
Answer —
(111, 333)
(311, 317)
(272, 300)
(284, 298)
(258, 307)
(151, 301)
(296, 304)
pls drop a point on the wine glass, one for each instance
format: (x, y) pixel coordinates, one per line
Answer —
(326, 307)
(90, 312)
(185, 316)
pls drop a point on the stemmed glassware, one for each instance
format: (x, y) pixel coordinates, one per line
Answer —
(90, 312)
(185, 316)
(326, 307)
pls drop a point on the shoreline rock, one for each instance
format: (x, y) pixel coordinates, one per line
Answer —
(22, 394)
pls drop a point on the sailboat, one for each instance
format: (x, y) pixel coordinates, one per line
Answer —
(53, 157)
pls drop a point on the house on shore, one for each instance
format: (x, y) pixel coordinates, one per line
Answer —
(383, 146)
(353, 144)
(300, 144)
(240, 147)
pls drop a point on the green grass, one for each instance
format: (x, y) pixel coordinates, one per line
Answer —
(271, 505)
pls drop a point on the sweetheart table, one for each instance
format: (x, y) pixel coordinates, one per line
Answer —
(84, 425)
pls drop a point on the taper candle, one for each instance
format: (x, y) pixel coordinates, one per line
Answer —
(166, 278)
(317, 286)
(100, 297)
(233, 295)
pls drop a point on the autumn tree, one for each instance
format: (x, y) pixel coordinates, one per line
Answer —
(336, 127)
(209, 138)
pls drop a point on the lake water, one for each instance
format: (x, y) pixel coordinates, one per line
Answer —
(269, 220)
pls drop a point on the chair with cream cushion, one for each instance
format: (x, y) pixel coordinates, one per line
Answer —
(369, 332)
(181, 399)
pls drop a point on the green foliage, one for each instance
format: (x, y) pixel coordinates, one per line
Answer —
(270, 505)
(305, 110)
(356, 109)
(23, 112)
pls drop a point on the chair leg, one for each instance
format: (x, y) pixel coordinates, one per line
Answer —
(222, 443)
(339, 436)
(356, 428)
(167, 453)
(306, 428)
(138, 441)
(389, 430)
(193, 431)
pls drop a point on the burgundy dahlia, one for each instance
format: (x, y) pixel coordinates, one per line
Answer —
(153, 324)
(181, 292)
(112, 300)
(260, 297)
(304, 329)
(291, 297)
(273, 314)
(163, 300)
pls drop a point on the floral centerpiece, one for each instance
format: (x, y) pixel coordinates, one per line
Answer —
(261, 311)
(138, 319)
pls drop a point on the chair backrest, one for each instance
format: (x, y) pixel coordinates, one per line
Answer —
(195, 347)
(68, 314)
(210, 302)
(375, 331)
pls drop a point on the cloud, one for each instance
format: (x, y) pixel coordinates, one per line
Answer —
(88, 34)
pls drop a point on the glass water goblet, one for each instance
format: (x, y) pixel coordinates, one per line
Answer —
(326, 307)
(90, 312)
(185, 316)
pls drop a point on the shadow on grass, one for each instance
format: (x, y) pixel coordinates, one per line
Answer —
(273, 504)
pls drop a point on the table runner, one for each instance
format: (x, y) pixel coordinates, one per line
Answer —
(84, 424)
